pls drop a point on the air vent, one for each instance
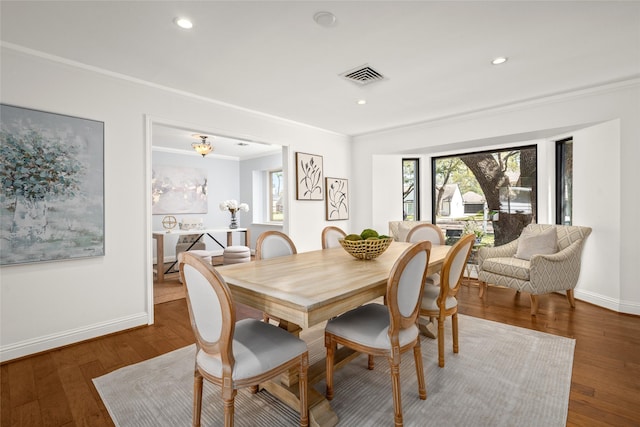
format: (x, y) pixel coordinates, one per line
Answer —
(363, 75)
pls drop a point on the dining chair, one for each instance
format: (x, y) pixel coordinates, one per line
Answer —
(234, 354)
(386, 330)
(272, 244)
(330, 237)
(440, 301)
(431, 233)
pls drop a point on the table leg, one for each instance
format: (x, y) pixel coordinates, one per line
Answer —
(159, 256)
(229, 239)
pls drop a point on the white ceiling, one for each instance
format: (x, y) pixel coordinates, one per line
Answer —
(273, 58)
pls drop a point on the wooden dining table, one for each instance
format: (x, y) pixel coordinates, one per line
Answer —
(308, 288)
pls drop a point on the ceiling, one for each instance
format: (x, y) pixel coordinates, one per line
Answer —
(272, 57)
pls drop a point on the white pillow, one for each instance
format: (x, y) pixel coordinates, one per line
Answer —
(544, 243)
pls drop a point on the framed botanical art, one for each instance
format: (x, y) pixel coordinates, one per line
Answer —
(309, 182)
(51, 186)
(337, 199)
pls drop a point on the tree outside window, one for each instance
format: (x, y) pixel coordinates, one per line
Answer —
(410, 190)
(276, 211)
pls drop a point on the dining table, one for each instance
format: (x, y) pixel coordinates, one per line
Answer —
(305, 289)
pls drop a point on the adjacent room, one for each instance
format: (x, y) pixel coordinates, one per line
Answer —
(418, 213)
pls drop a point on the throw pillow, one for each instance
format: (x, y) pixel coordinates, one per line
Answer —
(544, 243)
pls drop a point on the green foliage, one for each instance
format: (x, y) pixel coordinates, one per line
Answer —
(36, 168)
(353, 237)
(367, 232)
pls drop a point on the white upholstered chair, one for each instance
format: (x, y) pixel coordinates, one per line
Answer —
(330, 237)
(440, 301)
(271, 244)
(431, 233)
(386, 330)
(234, 354)
(545, 258)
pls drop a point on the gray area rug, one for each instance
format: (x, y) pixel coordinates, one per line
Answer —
(503, 376)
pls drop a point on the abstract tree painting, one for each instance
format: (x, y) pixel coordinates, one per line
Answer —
(337, 199)
(51, 186)
(309, 185)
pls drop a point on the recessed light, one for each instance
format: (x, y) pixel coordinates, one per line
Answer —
(325, 19)
(361, 101)
(183, 23)
(499, 60)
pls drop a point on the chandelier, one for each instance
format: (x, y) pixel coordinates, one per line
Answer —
(203, 147)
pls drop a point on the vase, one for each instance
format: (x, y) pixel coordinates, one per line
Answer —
(234, 220)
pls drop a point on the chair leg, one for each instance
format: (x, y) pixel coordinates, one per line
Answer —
(228, 397)
(303, 384)
(454, 329)
(482, 289)
(534, 304)
(331, 348)
(417, 355)
(197, 398)
(570, 298)
(441, 341)
(370, 364)
(394, 365)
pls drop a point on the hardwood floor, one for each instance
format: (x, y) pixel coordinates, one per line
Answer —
(55, 388)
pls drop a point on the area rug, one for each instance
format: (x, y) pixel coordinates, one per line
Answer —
(502, 376)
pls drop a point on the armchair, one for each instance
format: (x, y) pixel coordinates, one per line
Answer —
(527, 265)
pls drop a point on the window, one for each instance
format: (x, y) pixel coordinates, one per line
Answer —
(410, 190)
(276, 212)
(492, 193)
(564, 181)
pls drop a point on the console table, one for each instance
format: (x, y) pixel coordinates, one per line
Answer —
(159, 236)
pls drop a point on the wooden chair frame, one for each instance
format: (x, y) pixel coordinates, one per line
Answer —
(267, 234)
(397, 322)
(223, 348)
(449, 286)
(329, 230)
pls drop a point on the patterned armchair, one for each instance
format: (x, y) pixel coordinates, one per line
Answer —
(529, 264)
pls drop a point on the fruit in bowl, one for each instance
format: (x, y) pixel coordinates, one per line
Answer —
(366, 245)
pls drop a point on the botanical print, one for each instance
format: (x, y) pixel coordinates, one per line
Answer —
(178, 190)
(337, 199)
(309, 177)
(51, 186)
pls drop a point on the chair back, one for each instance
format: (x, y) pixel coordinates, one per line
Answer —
(210, 306)
(454, 265)
(405, 286)
(272, 244)
(330, 237)
(567, 234)
(429, 232)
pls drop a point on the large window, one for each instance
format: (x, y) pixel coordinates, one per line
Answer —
(564, 181)
(276, 212)
(490, 193)
(410, 190)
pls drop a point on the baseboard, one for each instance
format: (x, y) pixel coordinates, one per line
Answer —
(48, 342)
(613, 304)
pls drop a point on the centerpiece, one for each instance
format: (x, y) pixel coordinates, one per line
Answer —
(233, 206)
(366, 245)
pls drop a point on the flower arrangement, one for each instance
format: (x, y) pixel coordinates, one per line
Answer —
(472, 227)
(233, 206)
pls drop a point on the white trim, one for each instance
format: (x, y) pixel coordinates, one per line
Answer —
(613, 304)
(72, 336)
(125, 77)
(148, 133)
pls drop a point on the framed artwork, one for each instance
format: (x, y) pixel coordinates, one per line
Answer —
(178, 190)
(309, 182)
(51, 186)
(337, 199)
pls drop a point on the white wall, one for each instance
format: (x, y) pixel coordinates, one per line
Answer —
(606, 175)
(46, 305)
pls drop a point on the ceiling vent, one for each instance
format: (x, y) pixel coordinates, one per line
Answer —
(363, 75)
